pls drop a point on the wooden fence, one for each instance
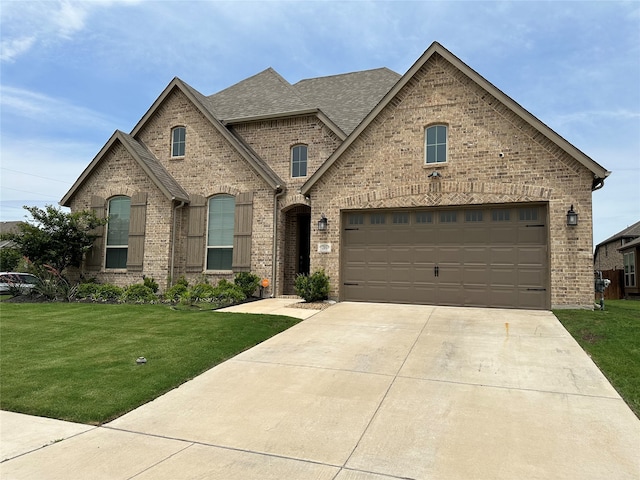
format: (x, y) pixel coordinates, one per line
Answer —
(615, 291)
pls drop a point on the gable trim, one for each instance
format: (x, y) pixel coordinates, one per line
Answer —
(263, 170)
(599, 172)
(125, 141)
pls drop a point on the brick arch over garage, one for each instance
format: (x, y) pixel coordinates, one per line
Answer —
(441, 192)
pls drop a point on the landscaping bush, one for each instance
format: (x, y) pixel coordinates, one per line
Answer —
(138, 293)
(226, 292)
(248, 282)
(175, 293)
(312, 288)
(88, 290)
(151, 283)
(97, 292)
(201, 292)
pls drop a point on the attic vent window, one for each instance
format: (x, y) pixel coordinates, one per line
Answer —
(178, 141)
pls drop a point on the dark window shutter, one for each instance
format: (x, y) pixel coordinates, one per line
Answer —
(95, 254)
(242, 232)
(195, 233)
(137, 225)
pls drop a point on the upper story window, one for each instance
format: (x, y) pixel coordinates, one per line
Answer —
(178, 141)
(299, 161)
(436, 144)
(118, 232)
(220, 232)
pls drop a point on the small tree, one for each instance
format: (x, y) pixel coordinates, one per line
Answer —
(55, 238)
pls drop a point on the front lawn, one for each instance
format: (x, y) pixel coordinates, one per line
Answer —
(612, 339)
(77, 362)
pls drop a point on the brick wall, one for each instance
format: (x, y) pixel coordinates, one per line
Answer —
(384, 167)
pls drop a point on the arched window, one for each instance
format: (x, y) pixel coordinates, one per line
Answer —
(299, 161)
(118, 232)
(178, 141)
(220, 232)
(436, 144)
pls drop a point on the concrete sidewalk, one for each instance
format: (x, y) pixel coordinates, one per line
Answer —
(371, 392)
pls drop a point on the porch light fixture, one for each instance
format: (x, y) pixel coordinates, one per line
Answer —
(323, 223)
(572, 217)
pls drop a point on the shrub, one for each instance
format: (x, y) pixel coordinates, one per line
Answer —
(108, 291)
(9, 259)
(138, 293)
(201, 292)
(151, 283)
(99, 292)
(226, 292)
(248, 282)
(88, 290)
(174, 293)
(312, 288)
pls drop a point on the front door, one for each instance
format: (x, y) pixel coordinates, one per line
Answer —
(304, 243)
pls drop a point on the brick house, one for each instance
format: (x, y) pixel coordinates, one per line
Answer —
(431, 187)
(617, 258)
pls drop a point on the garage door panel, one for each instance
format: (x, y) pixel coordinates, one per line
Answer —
(532, 235)
(530, 277)
(503, 234)
(476, 295)
(531, 298)
(498, 260)
(475, 275)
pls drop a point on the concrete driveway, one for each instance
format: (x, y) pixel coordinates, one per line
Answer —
(373, 392)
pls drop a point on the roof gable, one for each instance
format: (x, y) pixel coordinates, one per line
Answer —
(147, 161)
(204, 105)
(599, 172)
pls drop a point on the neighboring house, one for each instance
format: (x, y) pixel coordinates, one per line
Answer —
(432, 187)
(607, 254)
(8, 227)
(630, 258)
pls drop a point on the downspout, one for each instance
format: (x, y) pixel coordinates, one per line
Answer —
(278, 192)
(173, 237)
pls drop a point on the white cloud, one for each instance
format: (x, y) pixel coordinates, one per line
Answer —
(37, 107)
(13, 48)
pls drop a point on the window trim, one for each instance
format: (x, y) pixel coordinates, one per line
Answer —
(436, 144)
(306, 160)
(208, 232)
(125, 246)
(183, 142)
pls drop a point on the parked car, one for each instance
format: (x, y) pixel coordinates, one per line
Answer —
(25, 282)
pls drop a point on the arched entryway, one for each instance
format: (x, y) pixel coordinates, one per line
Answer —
(297, 245)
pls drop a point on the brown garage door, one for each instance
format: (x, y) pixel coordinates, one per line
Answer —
(493, 256)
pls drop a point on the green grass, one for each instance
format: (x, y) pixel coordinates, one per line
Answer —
(77, 362)
(612, 339)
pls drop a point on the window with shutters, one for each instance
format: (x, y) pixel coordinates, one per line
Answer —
(220, 232)
(119, 211)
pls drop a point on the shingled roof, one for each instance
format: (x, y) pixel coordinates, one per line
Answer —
(147, 161)
(345, 99)
(264, 94)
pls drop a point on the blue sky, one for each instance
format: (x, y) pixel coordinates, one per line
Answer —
(73, 72)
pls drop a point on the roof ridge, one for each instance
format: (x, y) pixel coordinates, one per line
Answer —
(347, 73)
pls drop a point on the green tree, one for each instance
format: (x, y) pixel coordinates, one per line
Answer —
(54, 237)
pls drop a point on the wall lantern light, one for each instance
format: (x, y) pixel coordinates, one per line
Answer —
(572, 217)
(323, 223)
